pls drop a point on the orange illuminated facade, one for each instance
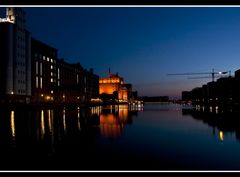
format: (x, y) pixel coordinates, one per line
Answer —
(112, 124)
(112, 84)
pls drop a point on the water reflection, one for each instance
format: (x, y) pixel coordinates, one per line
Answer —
(221, 122)
(42, 125)
(113, 120)
(221, 135)
(78, 116)
(57, 132)
(64, 120)
(13, 125)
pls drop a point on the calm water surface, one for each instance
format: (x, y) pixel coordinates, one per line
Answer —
(155, 137)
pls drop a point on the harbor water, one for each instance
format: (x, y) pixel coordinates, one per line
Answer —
(154, 137)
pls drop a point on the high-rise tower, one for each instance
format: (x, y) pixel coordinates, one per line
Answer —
(15, 56)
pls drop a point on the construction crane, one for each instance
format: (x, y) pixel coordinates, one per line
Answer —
(213, 73)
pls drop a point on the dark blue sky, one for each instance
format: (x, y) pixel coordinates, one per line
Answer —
(143, 44)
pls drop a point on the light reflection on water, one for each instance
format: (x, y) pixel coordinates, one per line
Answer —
(156, 137)
(13, 125)
(42, 125)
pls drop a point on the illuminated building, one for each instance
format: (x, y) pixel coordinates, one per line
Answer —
(110, 84)
(55, 80)
(44, 69)
(31, 71)
(113, 84)
(15, 63)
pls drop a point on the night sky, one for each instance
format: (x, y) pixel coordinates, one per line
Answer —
(143, 44)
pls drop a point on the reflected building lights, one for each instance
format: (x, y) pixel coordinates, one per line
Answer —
(50, 122)
(64, 120)
(78, 115)
(96, 110)
(123, 112)
(42, 124)
(13, 125)
(109, 126)
(221, 136)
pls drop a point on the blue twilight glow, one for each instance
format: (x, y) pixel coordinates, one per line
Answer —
(144, 44)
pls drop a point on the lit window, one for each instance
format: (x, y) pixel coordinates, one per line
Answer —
(58, 83)
(77, 79)
(51, 66)
(40, 82)
(51, 79)
(51, 60)
(58, 73)
(44, 57)
(36, 82)
(41, 69)
(36, 67)
(51, 91)
(47, 59)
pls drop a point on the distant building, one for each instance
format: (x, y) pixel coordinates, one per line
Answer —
(15, 54)
(186, 96)
(113, 85)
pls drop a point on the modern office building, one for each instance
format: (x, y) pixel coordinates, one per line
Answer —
(15, 53)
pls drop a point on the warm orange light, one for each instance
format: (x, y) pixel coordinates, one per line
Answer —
(221, 136)
(12, 124)
(109, 125)
(123, 95)
(123, 113)
(110, 85)
(107, 88)
(42, 124)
